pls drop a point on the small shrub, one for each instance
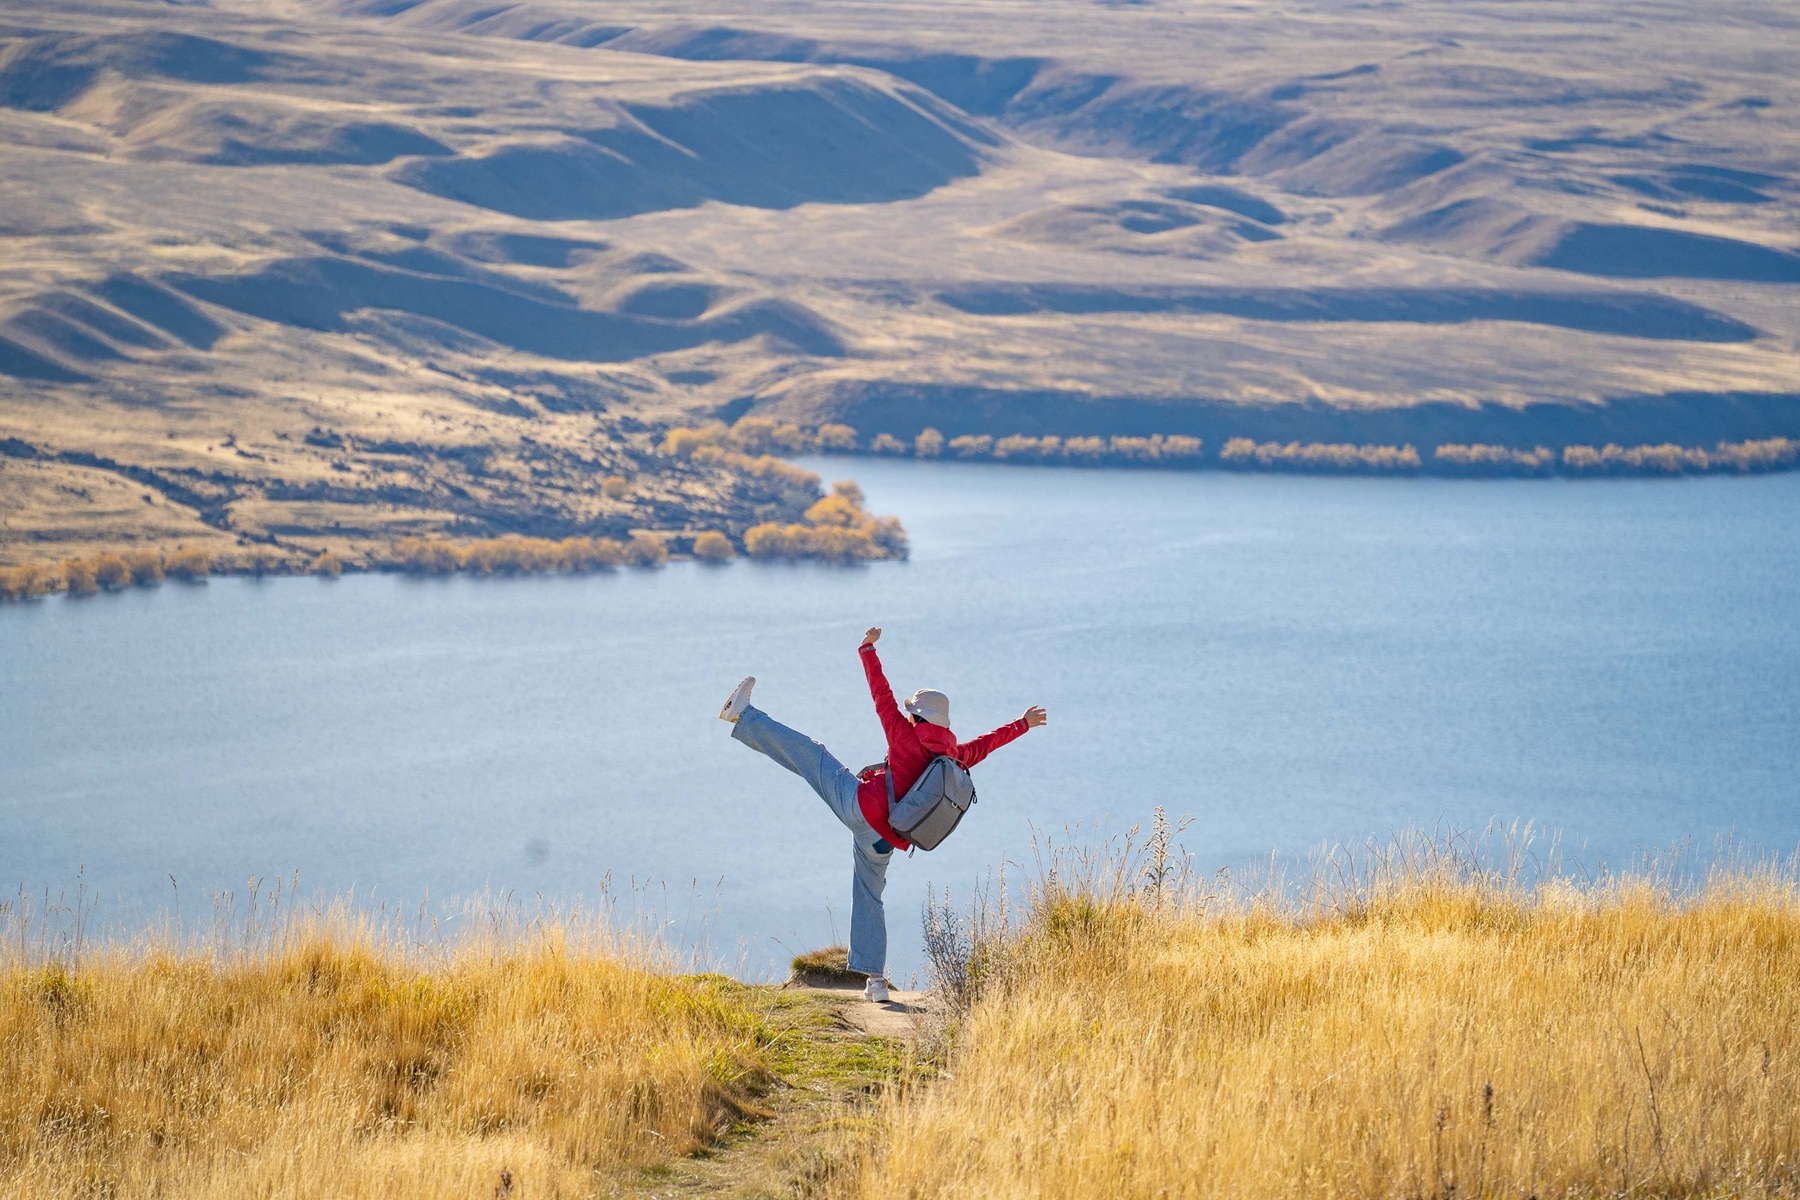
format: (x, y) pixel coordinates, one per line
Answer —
(111, 572)
(682, 442)
(1084, 449)
(24, 582)
(791, 439)
(190, 565)
(615, 487)
(1580, 458)
(889, 534)
(1481, 459)
(646, 550)
(478, 557)
(145, 566)
(1017, 446)
(1138, 449)
(929, 443)
(837, 437)
(263, 561)
(592, 554)
(427, 556)
(1238, 451)
(713, 546)
(833, 510)
(79, 577)
(887, 443)
(755, 435)
(833, 543)
(515, 555)
(327, 565)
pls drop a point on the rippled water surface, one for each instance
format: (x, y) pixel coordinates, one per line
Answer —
(1291, 661)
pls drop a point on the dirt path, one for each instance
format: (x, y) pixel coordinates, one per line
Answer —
(836, 1055)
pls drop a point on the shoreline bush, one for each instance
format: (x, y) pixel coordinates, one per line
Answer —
(146, 567)
(111, 572)
(713, 547)
(80, 578)
(645, 550)
(25, 582)
(188, 565)
(837, 529)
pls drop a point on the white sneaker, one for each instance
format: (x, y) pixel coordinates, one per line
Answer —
(875, 990)
(740, 700)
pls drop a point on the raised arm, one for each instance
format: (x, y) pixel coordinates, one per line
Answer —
(971, 752)
(893, 724)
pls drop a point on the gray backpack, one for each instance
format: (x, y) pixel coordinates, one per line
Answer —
(931, 808)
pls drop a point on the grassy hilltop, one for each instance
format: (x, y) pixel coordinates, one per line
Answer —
(1414, 1026)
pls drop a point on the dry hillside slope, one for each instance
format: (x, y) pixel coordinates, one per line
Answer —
(363, 269)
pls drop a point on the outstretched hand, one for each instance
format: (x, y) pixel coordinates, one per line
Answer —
(872, 636)
(1034, 716)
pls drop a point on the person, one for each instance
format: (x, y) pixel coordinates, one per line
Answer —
(914, 739)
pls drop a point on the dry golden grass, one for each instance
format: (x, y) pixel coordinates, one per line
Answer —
(331, 1060)
(1433, 1031)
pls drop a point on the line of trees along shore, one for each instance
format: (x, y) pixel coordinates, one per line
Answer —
(150, 566)
(835, 528)
(759, 435)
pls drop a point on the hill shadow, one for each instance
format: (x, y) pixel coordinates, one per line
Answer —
(60, 332)
(1625, 314)
(320, 293)
(1653, 252)
(1687, 418)
(46, 72)
(834, 140)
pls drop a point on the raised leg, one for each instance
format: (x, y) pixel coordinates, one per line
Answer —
(805, 758)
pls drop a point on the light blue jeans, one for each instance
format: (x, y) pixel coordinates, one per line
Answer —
(837, 787)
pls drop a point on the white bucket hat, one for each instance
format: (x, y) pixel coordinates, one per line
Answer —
(928, 704)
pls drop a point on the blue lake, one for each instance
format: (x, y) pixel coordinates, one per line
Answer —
(1291, 661)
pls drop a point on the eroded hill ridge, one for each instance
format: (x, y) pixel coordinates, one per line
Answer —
(344, 274)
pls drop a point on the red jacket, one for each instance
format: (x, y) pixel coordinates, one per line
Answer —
(911, 747)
